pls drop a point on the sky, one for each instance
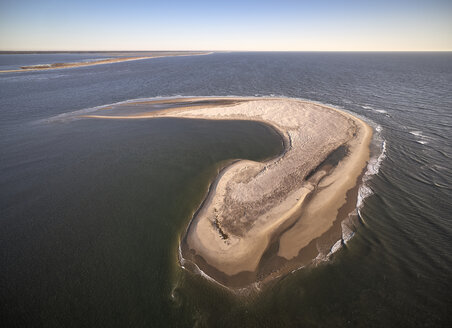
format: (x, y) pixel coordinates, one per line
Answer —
(284, 25)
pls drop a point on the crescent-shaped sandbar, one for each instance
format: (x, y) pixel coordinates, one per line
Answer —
(258, 219)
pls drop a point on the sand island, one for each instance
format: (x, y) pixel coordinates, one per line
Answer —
(261, 220)
(116, 59)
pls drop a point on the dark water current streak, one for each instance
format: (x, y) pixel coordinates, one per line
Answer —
(91, 210)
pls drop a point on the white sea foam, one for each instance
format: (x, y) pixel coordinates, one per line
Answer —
(416, 133)
(422, 139)
(323, 256)
(347, 231)
(337, 246)
(380, 111)
(373, 167)
(364, 191)
(375, 162)
(320, 258)
(182, 260)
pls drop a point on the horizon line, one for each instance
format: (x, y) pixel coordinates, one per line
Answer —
(113, 50)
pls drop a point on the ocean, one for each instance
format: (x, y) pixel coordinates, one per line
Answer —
(91, 211)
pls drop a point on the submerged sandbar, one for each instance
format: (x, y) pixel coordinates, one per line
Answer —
(263, 219)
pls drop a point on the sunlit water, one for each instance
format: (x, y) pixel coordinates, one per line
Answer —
(92, 210)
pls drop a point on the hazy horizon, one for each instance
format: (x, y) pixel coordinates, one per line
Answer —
(287, 25)
(195, 50)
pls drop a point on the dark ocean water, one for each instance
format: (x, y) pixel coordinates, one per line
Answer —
(91, 211)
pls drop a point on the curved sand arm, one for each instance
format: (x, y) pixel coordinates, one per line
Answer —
(250, 202)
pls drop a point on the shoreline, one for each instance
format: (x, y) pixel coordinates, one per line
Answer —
(237, 249)
(46, 67)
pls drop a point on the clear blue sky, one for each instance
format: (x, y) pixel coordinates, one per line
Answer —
(226, 25)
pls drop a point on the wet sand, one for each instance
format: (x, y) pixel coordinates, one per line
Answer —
(262, 220)
(97, 62)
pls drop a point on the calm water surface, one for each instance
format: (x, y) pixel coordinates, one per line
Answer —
(91, 210)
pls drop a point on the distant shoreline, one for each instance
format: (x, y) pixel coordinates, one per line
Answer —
(44, 67)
